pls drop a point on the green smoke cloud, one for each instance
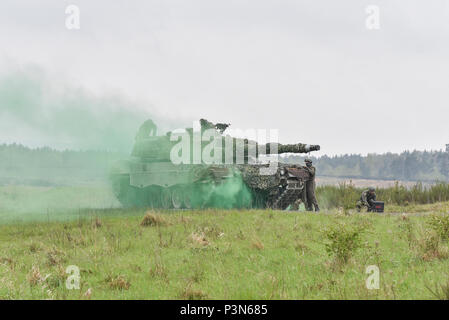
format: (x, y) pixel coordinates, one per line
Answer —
(232, 193)
(46, 111)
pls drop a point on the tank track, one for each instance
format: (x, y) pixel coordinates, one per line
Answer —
(289, 194)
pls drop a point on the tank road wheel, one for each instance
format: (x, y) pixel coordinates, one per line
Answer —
(186, 194)
(195, 197)
(166, 201)
(153, 197)
(176, 198)
(259, 200)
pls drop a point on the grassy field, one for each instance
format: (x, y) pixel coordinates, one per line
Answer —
(31, 203)
(228, 254)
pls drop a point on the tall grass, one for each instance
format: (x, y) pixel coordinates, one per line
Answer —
(345, 195)
(226, 254)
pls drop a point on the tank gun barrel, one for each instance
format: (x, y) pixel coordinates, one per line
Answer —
(291, 148)
(251, 149)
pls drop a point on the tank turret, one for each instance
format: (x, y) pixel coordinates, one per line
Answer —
(152, 148)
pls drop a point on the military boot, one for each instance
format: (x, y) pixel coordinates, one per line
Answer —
(317, 209)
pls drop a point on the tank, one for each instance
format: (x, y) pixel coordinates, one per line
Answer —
(235, 178)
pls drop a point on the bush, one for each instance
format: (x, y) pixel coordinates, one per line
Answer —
(440, 224)
(429, 246)
(343, 240)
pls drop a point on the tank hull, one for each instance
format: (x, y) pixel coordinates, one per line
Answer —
(168, 186)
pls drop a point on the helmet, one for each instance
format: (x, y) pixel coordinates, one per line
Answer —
(308, 160)
(371, 189)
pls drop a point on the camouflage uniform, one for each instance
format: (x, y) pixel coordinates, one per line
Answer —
(310, 188)
(366, 199)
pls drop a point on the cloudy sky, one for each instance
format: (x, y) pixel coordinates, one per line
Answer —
(311, 69)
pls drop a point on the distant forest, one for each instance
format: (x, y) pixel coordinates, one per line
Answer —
(45, 166)
(49, 167)
(407, 166)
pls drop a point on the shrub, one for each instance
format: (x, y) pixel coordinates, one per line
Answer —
(429, 246)
(343, 240)
(407, 231)
(440, 224)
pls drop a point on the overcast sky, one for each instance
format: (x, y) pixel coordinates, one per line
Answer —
(308, 68)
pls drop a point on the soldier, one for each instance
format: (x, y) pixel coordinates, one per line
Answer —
(147, 129)
(366, 200)
(221, 127)
(310, 187)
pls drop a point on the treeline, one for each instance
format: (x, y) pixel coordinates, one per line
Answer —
(46, 167)
(407, 166)
(346, 195)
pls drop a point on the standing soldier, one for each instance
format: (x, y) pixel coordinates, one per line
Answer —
(310, 187)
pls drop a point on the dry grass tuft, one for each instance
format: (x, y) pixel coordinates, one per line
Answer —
(153, 219)
(88, 293)
(211, 230)
(34, 247)
(35, 277)
(199, 238)
(118, 282)
(191, 294)
(97, 223)
(8, 261)
(257, 244)
(185, 220)
(55, 257)
(441, 291)
(158, 270)
(301, 247)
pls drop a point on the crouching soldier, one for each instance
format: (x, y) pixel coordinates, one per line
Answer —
(367, 199)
